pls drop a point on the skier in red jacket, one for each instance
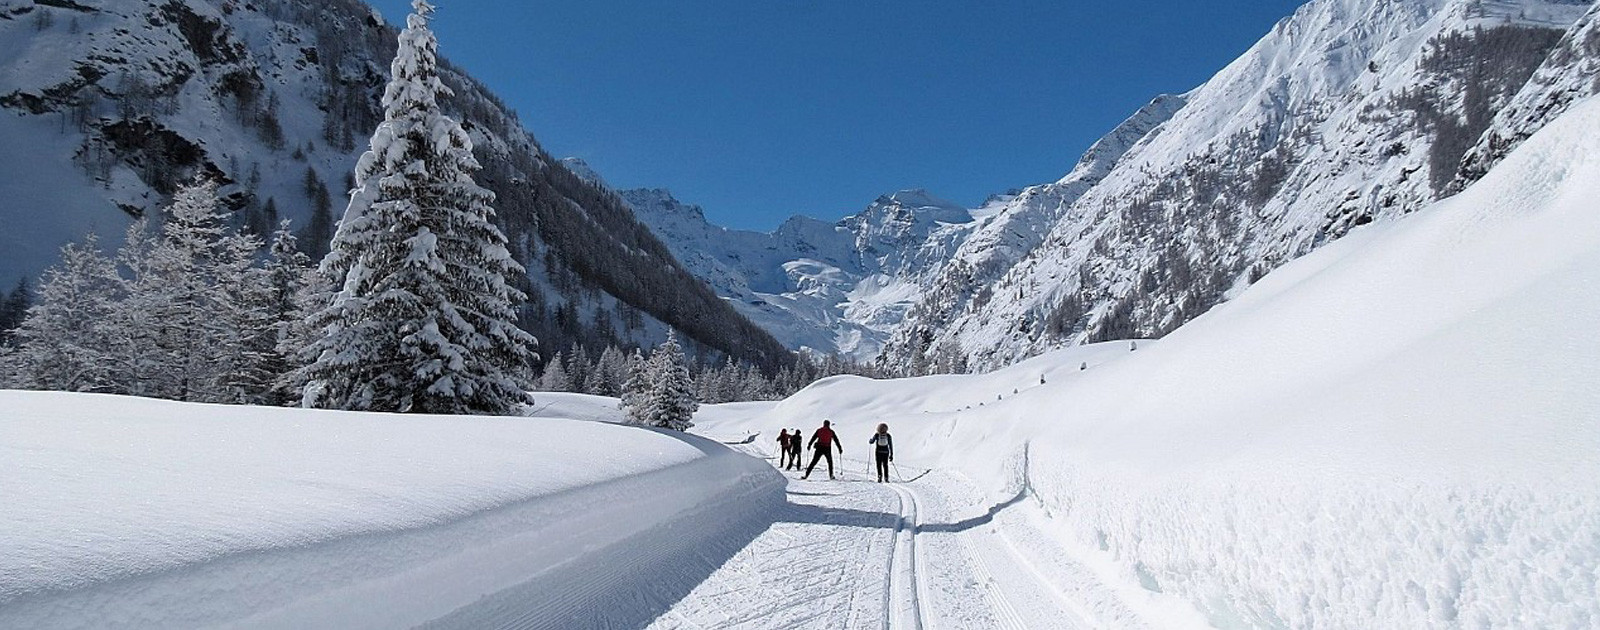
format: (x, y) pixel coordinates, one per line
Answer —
(820, 443)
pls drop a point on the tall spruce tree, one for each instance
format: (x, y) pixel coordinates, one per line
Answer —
(670, 400)
(319, 229)
(636, 389)
(288, 278)
(610, 372)
(422, 320)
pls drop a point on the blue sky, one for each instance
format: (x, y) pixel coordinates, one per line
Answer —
(760, 109)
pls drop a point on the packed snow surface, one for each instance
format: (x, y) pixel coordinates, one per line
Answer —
(1400, 430)
(116, 507)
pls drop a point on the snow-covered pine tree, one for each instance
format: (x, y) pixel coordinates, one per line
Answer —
(298, 343)
(286, 277)
(579, 369)
(193, 306)
(610, 372)
(671, 401)
(729, 383)
(556, 378)
(751, 385)
(61, 342)
(13, 309)
(422, 320)
(636, 389)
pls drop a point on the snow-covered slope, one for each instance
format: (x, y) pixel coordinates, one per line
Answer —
(107, 105)
(830, 288)
(1348, 112)
(127, 512)
(1399, 430)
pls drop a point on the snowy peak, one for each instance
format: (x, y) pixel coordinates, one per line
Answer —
(837, 287)
(656, 205)
(584, 172)
(889, 231)
(917, 204)
(1105, 152)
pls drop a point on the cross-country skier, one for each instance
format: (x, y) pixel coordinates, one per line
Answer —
(783, 449)
(884, 451)
(820, 443)
(796, 448)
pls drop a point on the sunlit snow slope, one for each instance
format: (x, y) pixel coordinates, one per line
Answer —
(127, 512)
(1400, 430)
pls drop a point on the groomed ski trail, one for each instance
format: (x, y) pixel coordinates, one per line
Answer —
(853, 553)
(904, 597)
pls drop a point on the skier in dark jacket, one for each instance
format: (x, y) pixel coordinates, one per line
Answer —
(821, 441)
(884, 451)
(783, 448)
(796, 449)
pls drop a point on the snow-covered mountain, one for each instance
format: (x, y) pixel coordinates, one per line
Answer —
(831, 288)
(107, 105)
(1348, 112)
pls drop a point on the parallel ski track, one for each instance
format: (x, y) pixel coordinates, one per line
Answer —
(1006, 613)
(906, 592)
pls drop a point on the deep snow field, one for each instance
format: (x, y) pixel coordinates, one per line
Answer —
(1401, 430)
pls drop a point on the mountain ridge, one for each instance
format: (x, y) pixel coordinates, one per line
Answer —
(1346, 112)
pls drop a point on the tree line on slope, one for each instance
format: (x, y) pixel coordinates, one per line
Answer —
(183, 314)
(577, 370)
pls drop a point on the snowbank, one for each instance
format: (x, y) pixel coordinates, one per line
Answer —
(127, 512)
(1400, 430)
(575, 407)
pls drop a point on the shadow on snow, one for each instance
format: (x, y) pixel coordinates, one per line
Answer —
(847, 517)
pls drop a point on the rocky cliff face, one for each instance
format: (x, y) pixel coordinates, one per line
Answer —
(1569, 74)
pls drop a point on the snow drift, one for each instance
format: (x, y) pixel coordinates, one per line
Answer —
(126, 512)
(1401, 429)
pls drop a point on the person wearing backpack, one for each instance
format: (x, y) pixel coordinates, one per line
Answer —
(821, 443)
(883, 451)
